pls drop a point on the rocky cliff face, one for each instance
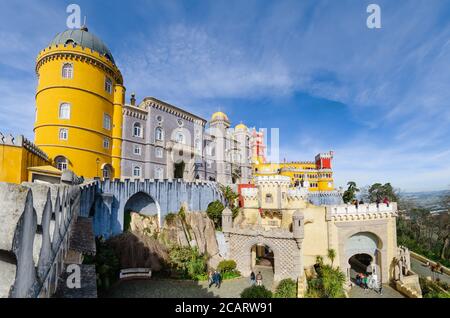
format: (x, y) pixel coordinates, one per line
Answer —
(138, 250)
(193, 229)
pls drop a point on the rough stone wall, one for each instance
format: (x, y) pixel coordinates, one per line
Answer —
(36, 256)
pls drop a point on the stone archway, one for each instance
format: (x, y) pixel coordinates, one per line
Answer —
(287, 262)
(363, 254)
(141, 203)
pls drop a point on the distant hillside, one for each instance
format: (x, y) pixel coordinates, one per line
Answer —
(427, 199)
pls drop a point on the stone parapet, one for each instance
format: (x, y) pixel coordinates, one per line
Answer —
(363, 211)
(37, 220)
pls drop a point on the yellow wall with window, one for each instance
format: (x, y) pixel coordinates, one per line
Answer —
(15, 160)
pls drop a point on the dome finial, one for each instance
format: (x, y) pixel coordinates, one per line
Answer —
(84, 26)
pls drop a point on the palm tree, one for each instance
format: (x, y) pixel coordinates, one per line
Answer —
(349, 194)
(319, 260)
(331, 255)
(229, 195)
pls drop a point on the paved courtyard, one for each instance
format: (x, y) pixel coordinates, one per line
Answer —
(170, 288)
(388, 292)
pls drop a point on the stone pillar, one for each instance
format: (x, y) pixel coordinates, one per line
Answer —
(298, 223)
(253, 256)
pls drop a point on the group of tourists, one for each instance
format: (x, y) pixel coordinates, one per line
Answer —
(215, 278)
(357, 203)
(256, 278)
(369, 281)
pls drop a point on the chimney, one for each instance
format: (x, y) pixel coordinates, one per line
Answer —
(133, 99)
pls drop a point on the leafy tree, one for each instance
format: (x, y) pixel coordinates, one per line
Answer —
(379, 191)
(214, 212)
(287, 288)
(350, 193)
(331, 255)
(256, 292)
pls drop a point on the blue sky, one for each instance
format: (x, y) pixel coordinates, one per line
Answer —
(379, 98)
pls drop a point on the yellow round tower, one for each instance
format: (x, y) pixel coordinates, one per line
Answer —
(79, 102)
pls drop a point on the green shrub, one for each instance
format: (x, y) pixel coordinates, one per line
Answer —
(256, 292)
(214, 212)
(187, 262)
(170, 218)
(431, 289)
(226, 266)
(182, 213)
(287, 288)
(328, 284)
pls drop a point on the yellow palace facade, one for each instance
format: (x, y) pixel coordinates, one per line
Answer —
(317, 175)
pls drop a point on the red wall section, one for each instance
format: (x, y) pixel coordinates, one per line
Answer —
(240, 187)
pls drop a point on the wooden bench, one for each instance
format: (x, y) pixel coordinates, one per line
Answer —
(135, 273)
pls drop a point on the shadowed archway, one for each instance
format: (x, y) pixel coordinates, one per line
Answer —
(141, 203)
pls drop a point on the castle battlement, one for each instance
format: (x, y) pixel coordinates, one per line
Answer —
(273, 180)
(297, 194)
(363, 211)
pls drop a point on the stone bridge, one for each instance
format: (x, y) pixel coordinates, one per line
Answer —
(37, 227)
(148, 197)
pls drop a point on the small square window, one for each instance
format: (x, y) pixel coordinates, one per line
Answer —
(106, 143)
(63, 134)
(137, 150)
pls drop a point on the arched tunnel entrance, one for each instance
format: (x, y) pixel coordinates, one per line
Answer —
(363, 253)
(141, 203)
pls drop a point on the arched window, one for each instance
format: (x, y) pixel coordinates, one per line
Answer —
(107, 171)
(198, 145)
(107, 121)
(61, 163)
(180, 137)
(108, 85)
(67, 70)
(137, 172)
(64, 111)
(159, 134)
(159, 173)
(137, 130)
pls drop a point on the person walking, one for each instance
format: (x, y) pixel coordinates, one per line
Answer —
(252, 278)
(259, 279)
(210, 278)
(219, 280)
(213, 278)
(365, 282)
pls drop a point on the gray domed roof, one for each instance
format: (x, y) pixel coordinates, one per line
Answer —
(83, 38)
